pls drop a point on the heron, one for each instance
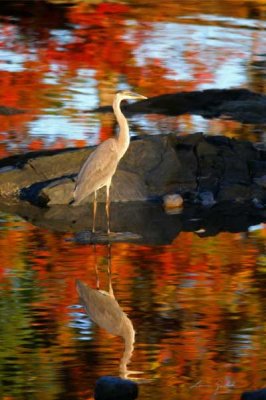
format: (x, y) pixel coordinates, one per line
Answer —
(103, 309)
(100, 166)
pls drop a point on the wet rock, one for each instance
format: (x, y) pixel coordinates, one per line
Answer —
(254, 395)
(210, 165)
(173, 203)
(257, 168)
(235, 167)
(207, 199)
(187, 160)
(261, 181)
(234, 193)
(113, 388)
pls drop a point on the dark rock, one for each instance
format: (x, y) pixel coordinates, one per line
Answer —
(211, 166)
(257, 168)
(198, 167)
(187, 164)
(145, 154)
(261, 181)
(258, 203)
(10, 110)
(235, 166)
(218, 140)
(238, 104)
(190, 140)
(207, 199)
(258, 194)
(209, 183)
(234, 193)
(254, 395)
(247, 111)
(163, 177)
(223, 217)
(113, 388)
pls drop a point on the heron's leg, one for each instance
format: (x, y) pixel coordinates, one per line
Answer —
(94, 211)
(109, 270)
(107, 207)
(96, 268)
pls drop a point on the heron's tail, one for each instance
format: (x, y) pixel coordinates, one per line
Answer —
(74, 201)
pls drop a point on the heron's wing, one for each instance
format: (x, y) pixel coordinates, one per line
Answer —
(97, 171)
(101, 308)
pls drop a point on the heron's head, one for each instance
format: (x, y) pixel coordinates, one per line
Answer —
(127, 95)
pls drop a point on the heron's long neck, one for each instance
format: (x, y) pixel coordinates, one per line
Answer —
(128, 335)
(123, 138)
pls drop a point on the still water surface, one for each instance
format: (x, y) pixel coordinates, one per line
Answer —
(197, 305)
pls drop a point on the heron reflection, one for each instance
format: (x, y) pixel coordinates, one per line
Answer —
(103, 309)
(99, 168)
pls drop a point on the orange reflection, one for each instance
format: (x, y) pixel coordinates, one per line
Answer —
(190, 302)
(98, 41)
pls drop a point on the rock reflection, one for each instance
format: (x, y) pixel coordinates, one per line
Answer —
(103, 309)
(140, 222)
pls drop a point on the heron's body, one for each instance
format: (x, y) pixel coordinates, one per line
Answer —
(101, 165)
(92, 175)
(104, 310)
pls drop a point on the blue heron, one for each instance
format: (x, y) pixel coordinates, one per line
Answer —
(100, 166)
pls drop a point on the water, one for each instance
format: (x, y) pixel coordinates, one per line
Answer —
(197, 305)
(54, 71)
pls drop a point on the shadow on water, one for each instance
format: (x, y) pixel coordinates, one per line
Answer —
(140, 222)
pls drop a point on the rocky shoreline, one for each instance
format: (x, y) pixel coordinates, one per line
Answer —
(221, 180)
(203, 169)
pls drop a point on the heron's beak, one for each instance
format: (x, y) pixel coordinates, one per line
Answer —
(137, 96)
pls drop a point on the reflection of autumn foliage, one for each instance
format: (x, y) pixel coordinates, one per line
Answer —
(98, 42)
(194, 305)
(98, 38)
(20, 90)
(103, 38)
(197, 305)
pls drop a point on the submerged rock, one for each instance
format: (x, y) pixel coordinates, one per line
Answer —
(254, 395)
(113, 388)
